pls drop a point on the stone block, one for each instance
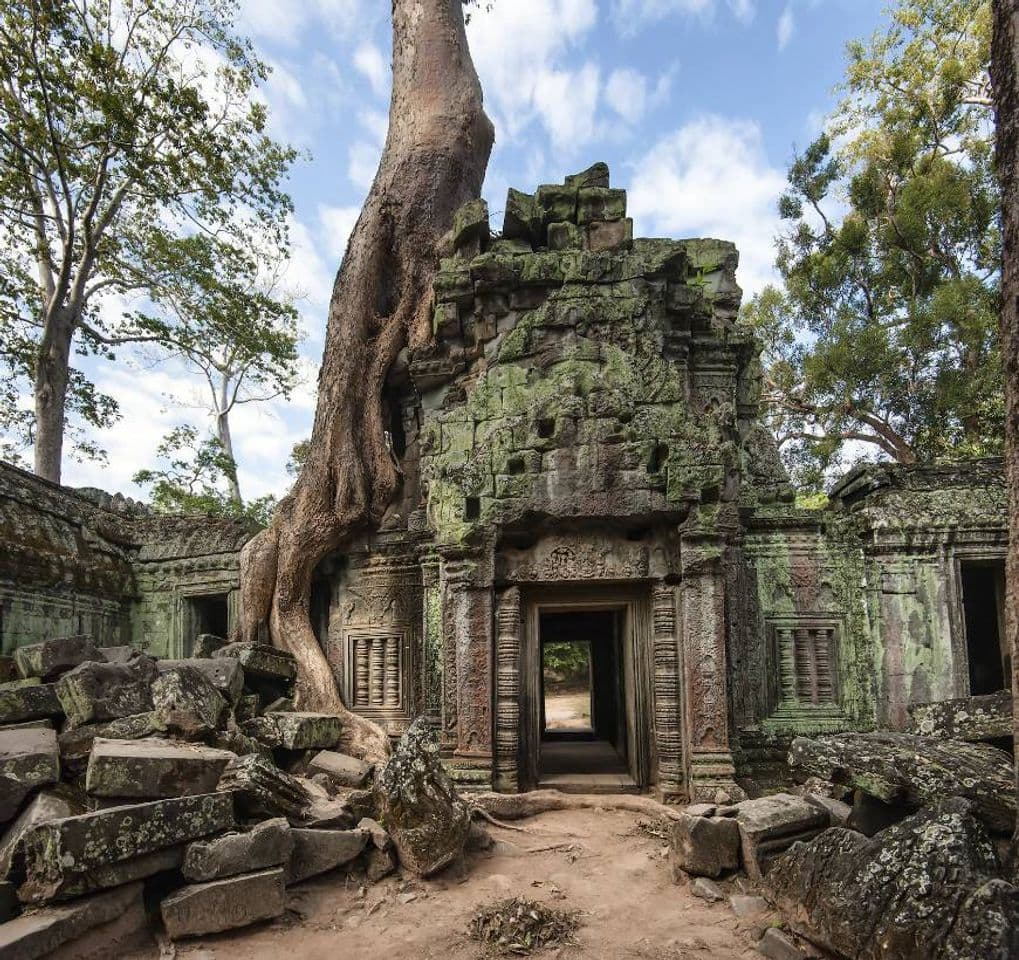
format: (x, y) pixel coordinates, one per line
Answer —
(985, 717)
(115, 874)
(770, 825)
(94, 692)
(262, 789)
(152, 769)
(206, 644)
(605, 236)
(838, 812)
(280, 705)
(267, 844)
(316, 851)
(29, 759)
(204, 908)
(565, 236)
(76, 743)
(777, 946)
(600, 203)
(60, 852)
(380, 837)
(39, 933)
(556, 203)
(8, 669)
(341, 770)
(43, 806)
(379, 864)
(226, 675)
(703, 846)
(470, 233)
(51, 658)
(128, 934)
(295, 731)
(185, 690)
(521, 220)
(246, 707)
(32, 702)
(747, 907)
(120, 654)
(707, 890)
(596, 175)
(261, 660)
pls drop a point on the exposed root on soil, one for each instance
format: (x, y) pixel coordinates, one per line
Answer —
(519, 806)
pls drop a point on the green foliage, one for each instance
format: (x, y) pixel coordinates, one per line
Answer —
(134, 163)
(884, 332)
(194, 477)
(569, 661)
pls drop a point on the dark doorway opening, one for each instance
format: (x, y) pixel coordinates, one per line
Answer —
(983, 604)
(208, 615)
(583, 711)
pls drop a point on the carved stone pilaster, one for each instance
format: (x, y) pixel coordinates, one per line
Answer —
(668, 723)
(507, 690)
(702, 593)
(431, 654)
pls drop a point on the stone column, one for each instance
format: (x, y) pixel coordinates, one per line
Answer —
(507, 690)
(668, 722)
(431, 640)
(702, 598)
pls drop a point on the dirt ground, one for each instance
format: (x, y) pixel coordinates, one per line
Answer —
(595, 861)
(568, 710)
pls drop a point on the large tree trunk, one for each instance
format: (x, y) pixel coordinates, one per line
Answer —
(434, 160)
(51, 379)
(1005, 79)
(227, 443)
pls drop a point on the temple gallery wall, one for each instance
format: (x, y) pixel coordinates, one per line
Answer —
(584, 469)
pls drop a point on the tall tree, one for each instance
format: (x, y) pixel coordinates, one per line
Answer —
(434, 160)
(127, 130)
(1005, 73)
(884, 332)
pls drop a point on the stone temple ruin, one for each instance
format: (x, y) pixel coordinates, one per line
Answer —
(584, 461)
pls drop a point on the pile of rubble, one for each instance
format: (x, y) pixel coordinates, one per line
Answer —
(194, 781)
(911, 868)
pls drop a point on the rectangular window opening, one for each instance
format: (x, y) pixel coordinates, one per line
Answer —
(983, 603)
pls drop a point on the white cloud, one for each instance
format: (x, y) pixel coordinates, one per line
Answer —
(335, 224)
(286, 23)
(712, 178)
(786, 25)
(630, 15)
(362, 162)
(626, 93)
(567, 101)
(369, 62)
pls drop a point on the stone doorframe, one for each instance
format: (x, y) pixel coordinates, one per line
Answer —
(654, 722)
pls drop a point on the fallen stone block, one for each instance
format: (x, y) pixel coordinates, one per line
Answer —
(838, 812)
(59, 852)
(76, 743)
(986, 717)
(341, 770)
(427, 819)
(39, 933)
(380, 837)
(152, 769)
(280, 705)
(777, 946)
(316, 851)
(128, 934)
(770, 825)
(204, 908)
(43, 806)
(909, 770)
(927, 888)
(703, 846)
(29, 759)
(379, 864)
(247, 706)
(260, 660)
(236, 741)
(295, 731)
(747, 907)
(206, 644)
(268, 844)
(35, 701)
(116, 874)
(46, 722)
(184, 690)
(123, 653)
(707, 890)
(94, 692)
(51, 658)
(226, 675)
(262, 789)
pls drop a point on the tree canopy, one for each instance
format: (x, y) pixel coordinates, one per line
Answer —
(135, 162)
(882, 339)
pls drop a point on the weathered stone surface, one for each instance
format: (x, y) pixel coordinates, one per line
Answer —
(43, 806)
(246, 706)
(120, 654)
(609, 235)
(870, 816)
(125, 935)
(261, 788)
(917, 891)
(260, 660)
(985, 717)
(341, 770)
(206, 644)
(380, 837)
(707, 890)
(777, 946)
(225, 674)
(746, 907)
(29, 759)
(295, 731)
(49, 659)
(600, 203)
(379, 864)
(236, 741)
(8, 669)
(838, 812)
(280, 705)
(31, 702)
(60, 852)
(521, 220)
(267, 844)
(224, 904)
(152, 769)
(76, 742)
(769, 825)
(425, 816)
(596, 175)
(703, 846)
(316, 851)
(116, 874)
(902, 768)
(39, 933)
(94, 692)
(184, 690)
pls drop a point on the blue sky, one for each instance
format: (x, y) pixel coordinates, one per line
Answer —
(697, 106)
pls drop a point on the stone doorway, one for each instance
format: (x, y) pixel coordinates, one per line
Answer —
(586, 693)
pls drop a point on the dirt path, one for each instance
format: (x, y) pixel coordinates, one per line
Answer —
(621, 882)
